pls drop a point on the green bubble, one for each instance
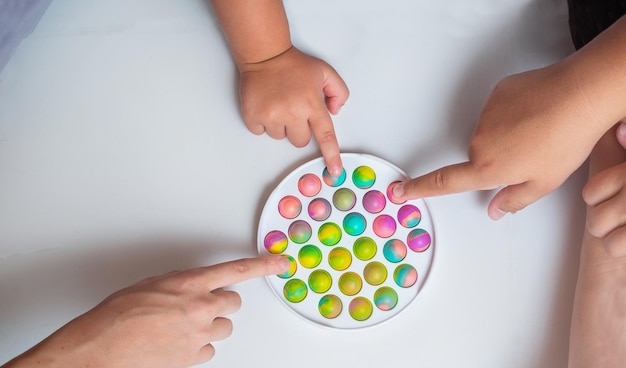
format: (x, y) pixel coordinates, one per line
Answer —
(375, 273)
(340, 258)
(310, 256)
(293, 266)
(360, 308)
(344, 199)
(363, 177)
(329, 233)
(295, 290)
(364, 248)
(350, 283)
(320, 281)
(330, 306)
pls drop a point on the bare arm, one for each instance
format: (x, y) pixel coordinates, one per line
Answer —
(256, 30)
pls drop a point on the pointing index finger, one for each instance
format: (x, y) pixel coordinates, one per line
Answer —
(324, 133)
(450, 179)
(232, 272)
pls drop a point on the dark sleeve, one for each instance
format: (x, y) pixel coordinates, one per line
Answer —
(588, 18)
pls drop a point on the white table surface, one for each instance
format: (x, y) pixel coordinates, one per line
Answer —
(123, 155)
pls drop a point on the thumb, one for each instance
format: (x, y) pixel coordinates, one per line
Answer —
(513, 198)
(621, 134)
(335, 90)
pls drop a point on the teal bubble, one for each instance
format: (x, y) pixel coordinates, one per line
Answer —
(394, 250)
(354, 224)
(333, 181)
(385, 298)
(405, 275)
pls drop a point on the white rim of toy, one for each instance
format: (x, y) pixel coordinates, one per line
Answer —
(270, 213)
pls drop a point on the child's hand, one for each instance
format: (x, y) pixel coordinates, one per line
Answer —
(164, 321)
(291, 96)
(605, 196)
(535, 129)
(606, 217)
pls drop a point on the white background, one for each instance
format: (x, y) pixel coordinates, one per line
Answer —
(123, 155)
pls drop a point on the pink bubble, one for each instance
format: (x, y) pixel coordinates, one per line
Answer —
(409, 216)
(319, 209)
(374, 201)
(418, 240)
(309, 185)
(289, 207)
(384, 226)
(390, 195)
(275, 242)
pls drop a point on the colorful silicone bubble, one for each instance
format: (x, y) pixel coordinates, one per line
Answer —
(295, 290)
(329, 233)
(344, 199)
(364, 248)
(289, 207)
(293, 266)
(350, 283)
(374, 201)
(394, 250)
(319, 209)
(405, 275)
(409, 216)
(299, 231)
(360, 308)
(418, 240)
(354, 224)
(363, 177)
(384, 226)
(390, 195)
(385, 298)
(330, 306)
(339, 258)
(275, 242)
(320, 281)
(309, 185)
(309, 256)
(333, 181)
(375, 273)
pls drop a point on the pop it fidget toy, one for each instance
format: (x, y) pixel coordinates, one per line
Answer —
(358, 255)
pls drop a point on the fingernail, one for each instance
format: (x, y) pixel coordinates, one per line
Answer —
(621, 130)
(497, 214)
(284, 264)
(336, 171)
(398, 190)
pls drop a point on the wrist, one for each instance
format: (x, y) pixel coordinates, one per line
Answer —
(598, 74)
(251, 65)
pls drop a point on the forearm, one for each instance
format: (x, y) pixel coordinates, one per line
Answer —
(256, 30)
(599, 74)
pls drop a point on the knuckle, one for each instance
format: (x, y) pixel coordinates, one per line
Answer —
(513, 204)
(241, 266)
(439, 180)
